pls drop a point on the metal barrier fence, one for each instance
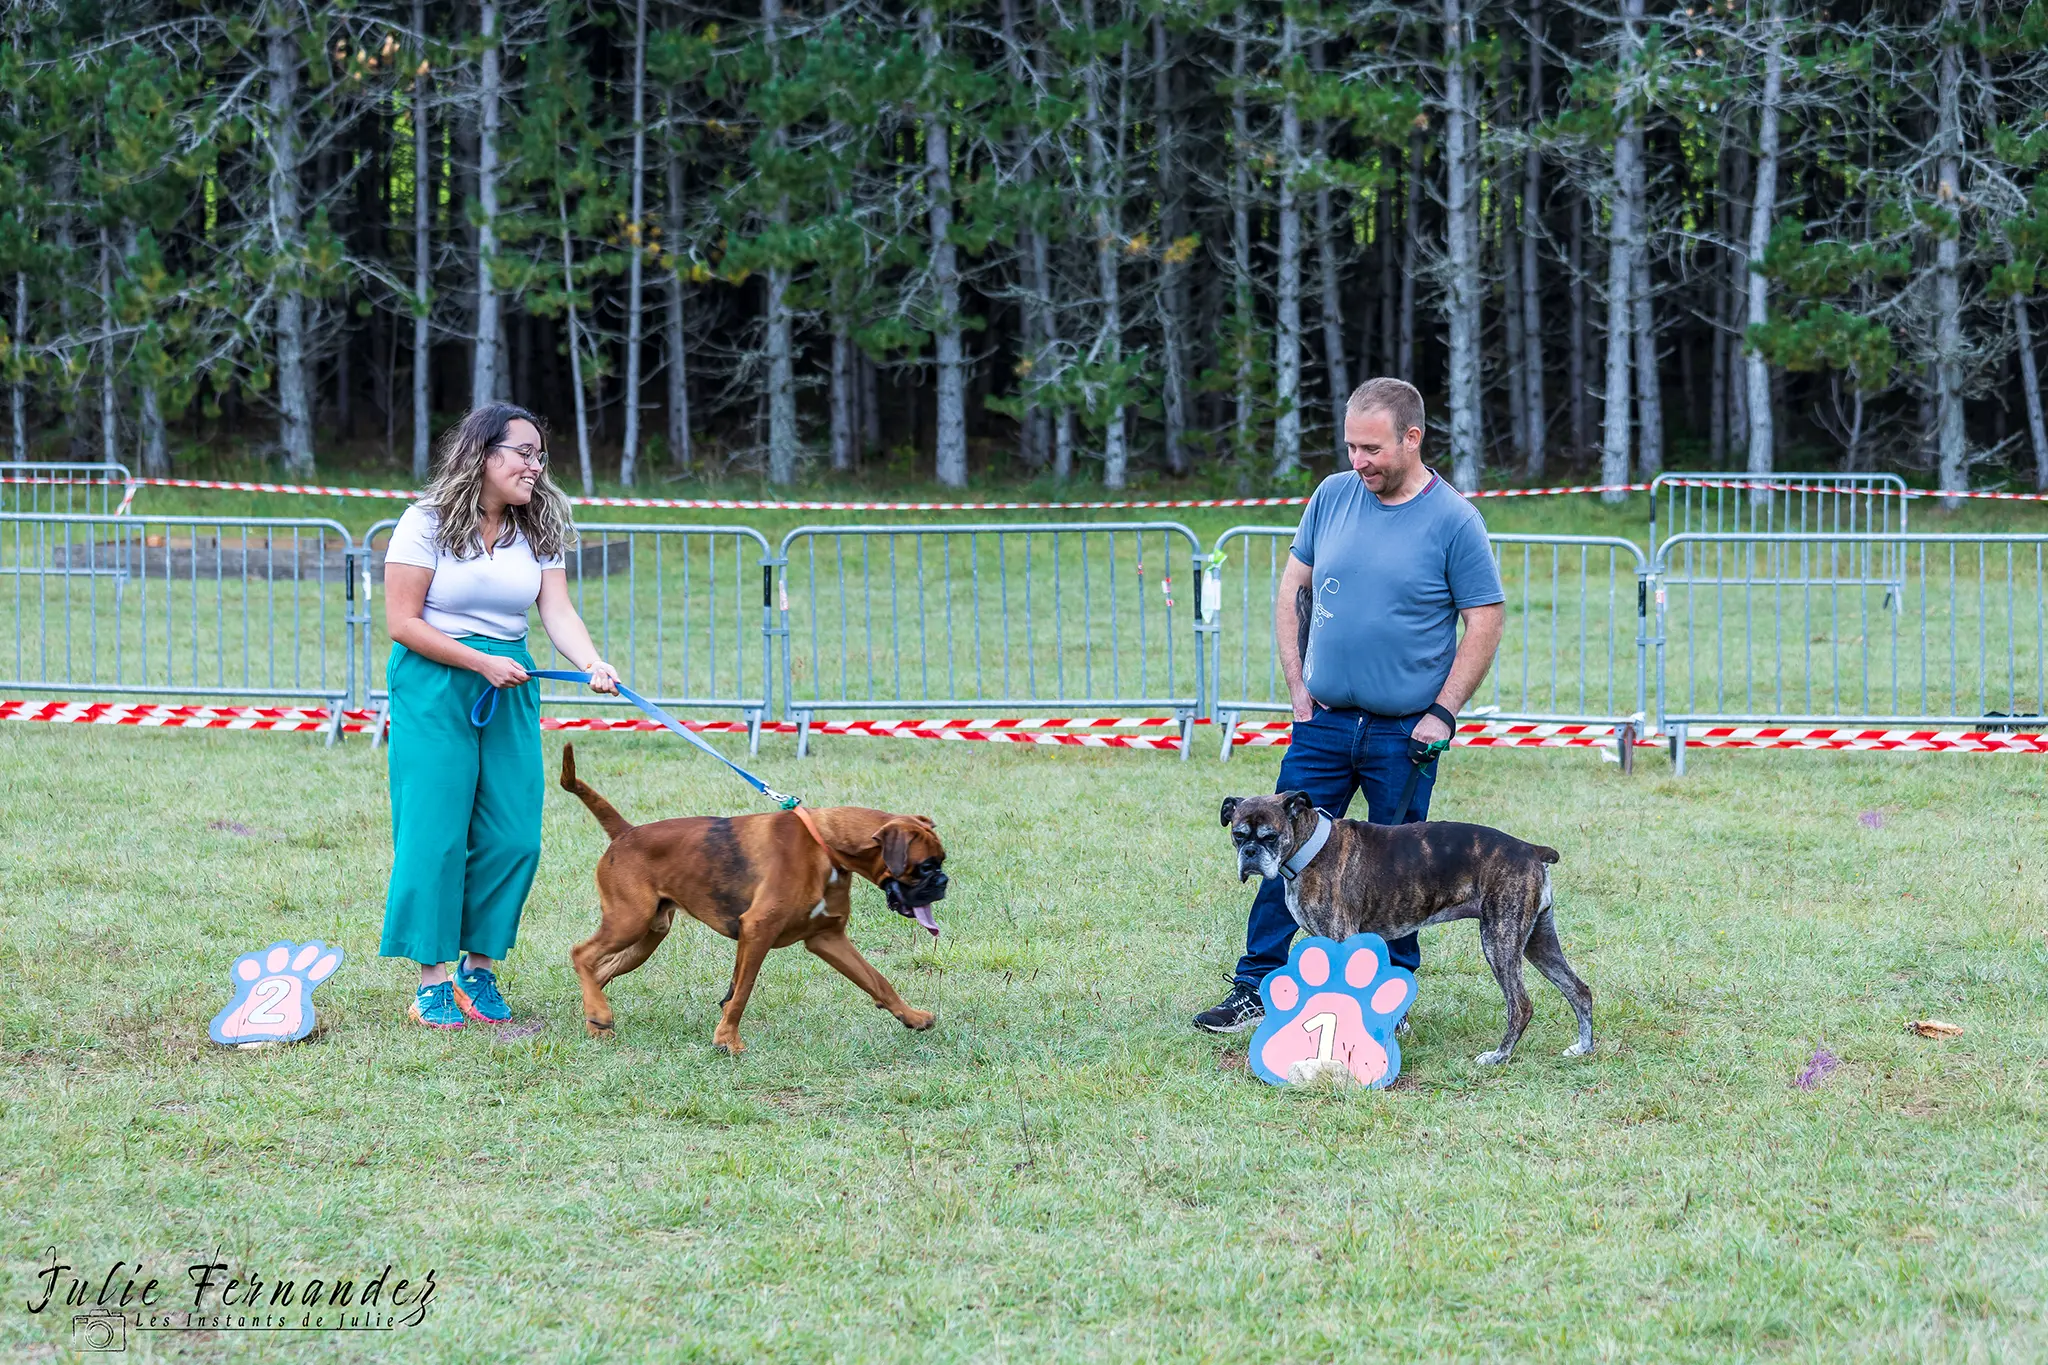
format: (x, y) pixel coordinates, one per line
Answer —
(1574, 648)
(63, 487)
(1713, 503)
(682, 612)
(1782, 634)
(1068, 616)
(1749, 628)
(177, 607)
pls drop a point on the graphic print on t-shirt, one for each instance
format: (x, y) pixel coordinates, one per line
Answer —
(1327, 588)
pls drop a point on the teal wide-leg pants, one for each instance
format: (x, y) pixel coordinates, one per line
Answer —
(465, 808)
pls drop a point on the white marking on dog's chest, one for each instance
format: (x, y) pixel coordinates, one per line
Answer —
(818, 911)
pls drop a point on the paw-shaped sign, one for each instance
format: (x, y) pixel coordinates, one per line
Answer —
(1333, 1004)
(273, 1001)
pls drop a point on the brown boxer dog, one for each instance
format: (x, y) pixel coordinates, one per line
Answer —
(765, 881)
(1348, 877)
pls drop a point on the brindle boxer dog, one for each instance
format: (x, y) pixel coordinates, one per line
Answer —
(766, 881)
(1347, 877)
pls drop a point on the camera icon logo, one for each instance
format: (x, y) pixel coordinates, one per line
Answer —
(100, 1330)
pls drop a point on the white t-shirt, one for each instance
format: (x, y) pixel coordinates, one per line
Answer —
(486, 594)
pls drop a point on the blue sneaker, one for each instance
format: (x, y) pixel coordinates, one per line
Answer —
(476, 992)
(435, 1007)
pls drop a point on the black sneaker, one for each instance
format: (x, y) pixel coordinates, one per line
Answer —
(1238, 1011)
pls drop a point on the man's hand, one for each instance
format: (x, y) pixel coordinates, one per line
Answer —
(1430, 729)
(1304, 704)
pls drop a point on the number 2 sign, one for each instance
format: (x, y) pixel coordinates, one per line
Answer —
(1333, 1002)
(273, 1000)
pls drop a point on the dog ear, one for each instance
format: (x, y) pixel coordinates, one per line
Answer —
(894, 837)
(1297, 805)
(1230, 804)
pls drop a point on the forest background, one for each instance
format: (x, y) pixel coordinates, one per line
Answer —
(1121, 242)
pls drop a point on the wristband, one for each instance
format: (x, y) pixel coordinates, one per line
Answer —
(1442, 713)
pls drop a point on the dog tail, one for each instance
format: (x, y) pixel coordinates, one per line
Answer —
(614, 823)
(1543, 851)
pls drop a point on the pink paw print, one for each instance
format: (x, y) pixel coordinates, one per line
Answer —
(273, 1000)
(1333, 1004)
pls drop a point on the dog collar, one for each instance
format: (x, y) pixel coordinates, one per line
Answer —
(1306, 854)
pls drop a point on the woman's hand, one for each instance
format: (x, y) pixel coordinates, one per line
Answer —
(499, 671)
(603, 678)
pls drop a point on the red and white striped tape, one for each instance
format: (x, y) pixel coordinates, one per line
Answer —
(1497, 734)
(1126, 504)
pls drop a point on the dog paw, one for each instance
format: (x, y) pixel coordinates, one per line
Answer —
(598, 1030)
(273, 1000)
(1334, 1005)
(1584, 1049)
(1497, 1057)
(919, 1020)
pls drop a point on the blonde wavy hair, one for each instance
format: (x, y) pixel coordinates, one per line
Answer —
(457, 491)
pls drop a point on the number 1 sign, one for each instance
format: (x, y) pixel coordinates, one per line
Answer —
(1333, 1004)
(273, 1000)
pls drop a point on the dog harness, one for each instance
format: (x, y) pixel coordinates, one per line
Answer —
(1306, 854)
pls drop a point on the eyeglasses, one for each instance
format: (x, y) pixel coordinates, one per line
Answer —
(537, 458)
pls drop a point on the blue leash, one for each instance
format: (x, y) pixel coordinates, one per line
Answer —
(487, 707)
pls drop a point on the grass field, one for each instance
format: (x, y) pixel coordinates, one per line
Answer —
(1062, 1169)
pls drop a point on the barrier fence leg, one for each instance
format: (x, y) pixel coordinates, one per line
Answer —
(803, 734)
(380, 723)
(1678, 749)
(333, 726)
(1187, 734)
(1226, 721)
(753, 733)
(1625, 747)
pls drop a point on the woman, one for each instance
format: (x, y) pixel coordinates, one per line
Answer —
(483, 544)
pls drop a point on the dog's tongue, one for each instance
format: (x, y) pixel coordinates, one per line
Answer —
(924, 917)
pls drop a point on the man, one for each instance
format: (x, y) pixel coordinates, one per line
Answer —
(1394, 558)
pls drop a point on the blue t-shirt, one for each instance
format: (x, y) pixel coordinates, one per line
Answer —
(1388, 585)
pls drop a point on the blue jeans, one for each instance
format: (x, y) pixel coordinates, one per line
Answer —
(1332, 756)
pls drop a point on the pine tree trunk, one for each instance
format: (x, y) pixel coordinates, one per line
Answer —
(1411, 246)
(1515, 351)
(17, 392)
(1105, 189)
(843, 399)
(1369, 365)
(1038, 281)
(422, 265)
(1532, 280)
(1333, 322)
(870, 403)
(1287, 319)
(294, 396)
(1063, 446)
(636, 245)
(782, 431)
(1241, 243)
(156, 456)
(1461, 230)
(575, 354)
(1507, 225)
(1649, 375)
(951, 462)
(1614, 444)
(1763, 205)
(110, 407)
(484, 380)
(1172, 227)
(1723, 306)
(678, 350)
(1951, 446)
(2030, 387)
(1575, 361)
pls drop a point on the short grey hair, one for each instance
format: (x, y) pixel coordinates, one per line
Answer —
(1396, 397)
